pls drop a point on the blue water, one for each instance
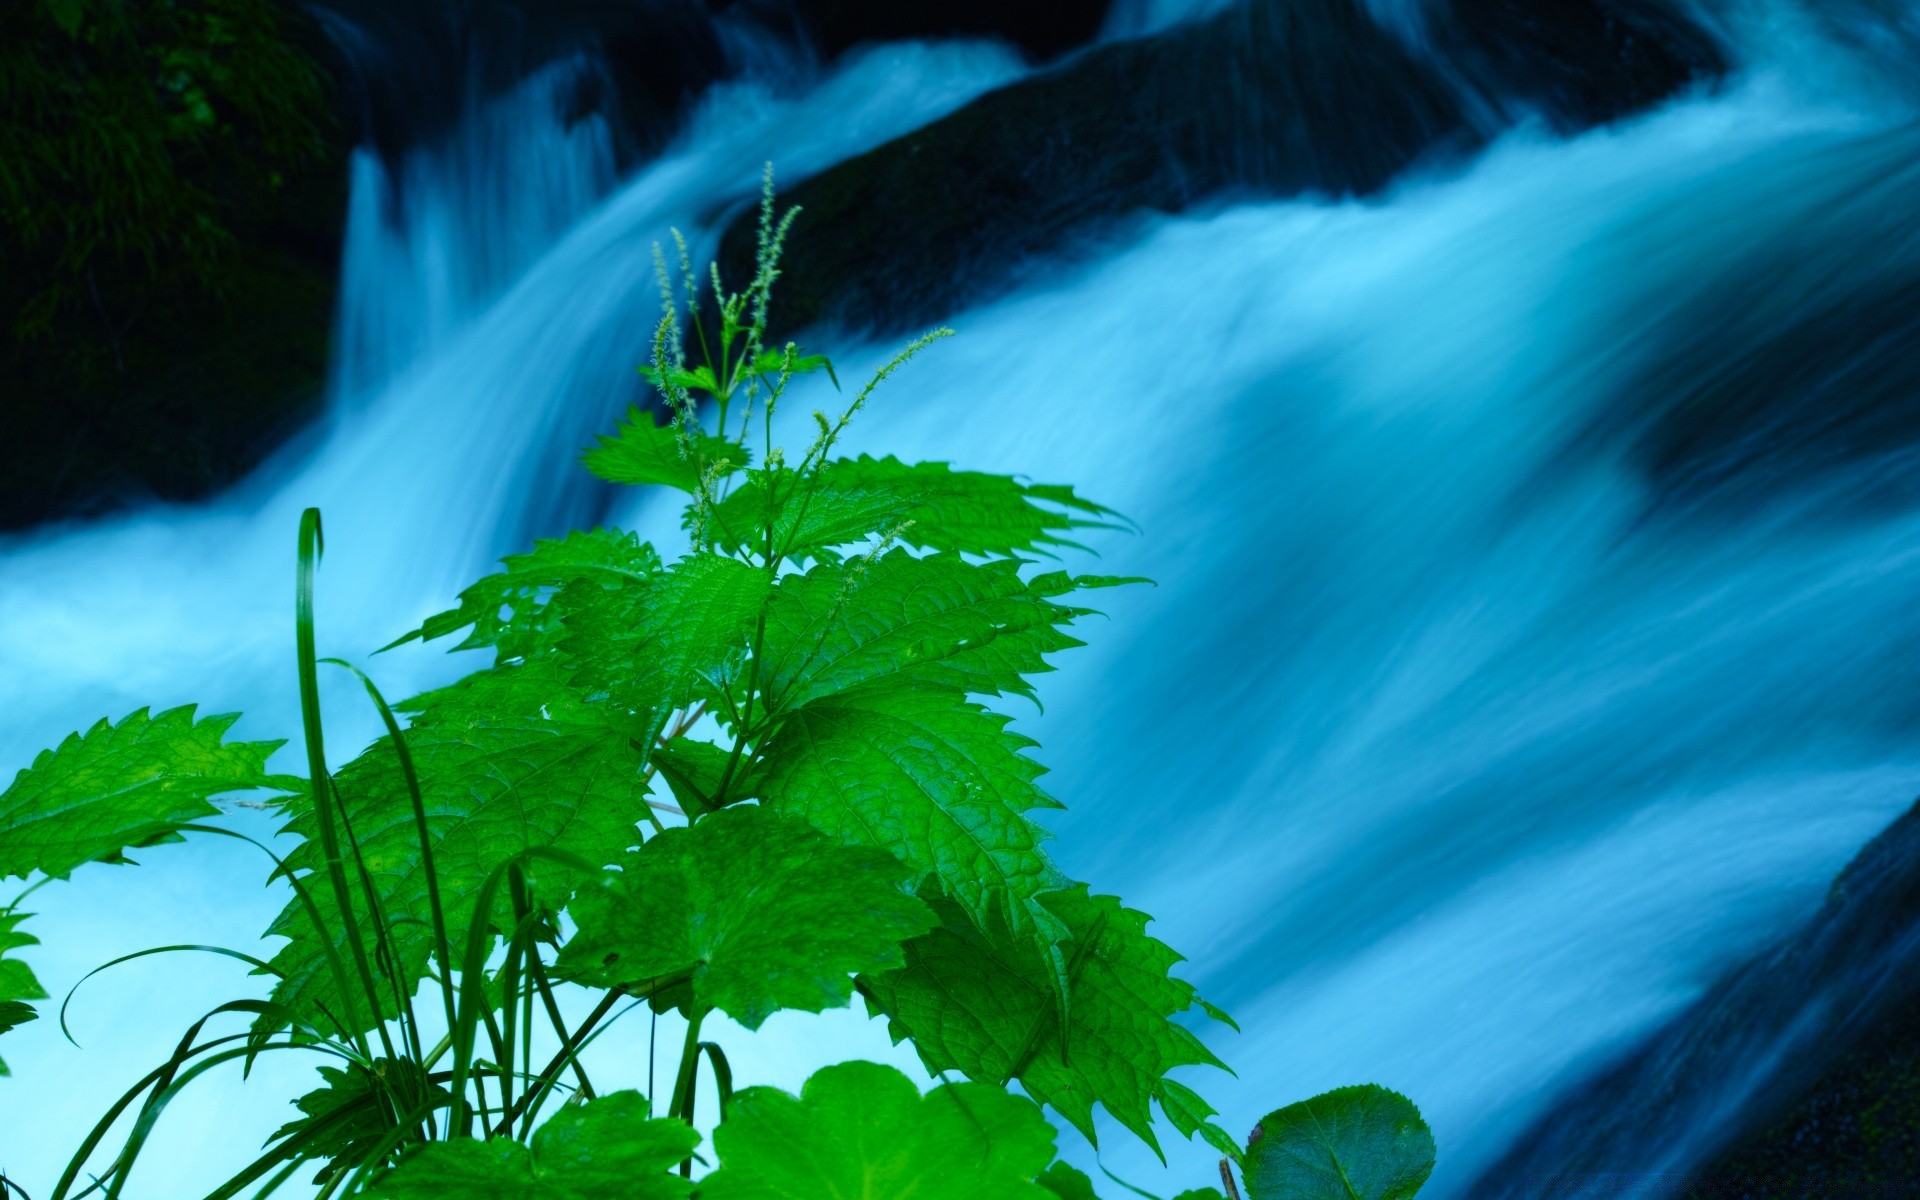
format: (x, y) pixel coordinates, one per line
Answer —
(1452, 751)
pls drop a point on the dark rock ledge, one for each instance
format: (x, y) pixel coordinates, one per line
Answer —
(1271, 97)
(1797, 1076)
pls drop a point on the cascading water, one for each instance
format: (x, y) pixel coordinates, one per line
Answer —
(1455, 744)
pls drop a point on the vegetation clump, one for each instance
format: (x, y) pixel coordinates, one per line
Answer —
(761, 775)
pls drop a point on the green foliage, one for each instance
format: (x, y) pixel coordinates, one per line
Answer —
(859, 1130)
(1353, 1143)
(122, 786)
(510, 610)
(137, 136)
(763, 911)
(644, 452)
(812, 682)
(935, 779)
(1068, 1183)
(979, 1000)
(507, 761)
(607, 1149)
(17, 984)
(342, 1122)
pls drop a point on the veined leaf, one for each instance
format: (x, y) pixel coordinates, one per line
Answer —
(860, 1131)
(693, 770)
(351, 1103)
(121, 786)
(511, 610)
(652, 647)
(1353, 1143)
(802, 519)
(645, 453)
(983, 1003)
(930, 506)
(1068, 1183)
(938, 620)
(1188, 1112)
(927, 775)
(508, 761)
(17, 984)
(605, 1149)
(767, 913)
(970, 511)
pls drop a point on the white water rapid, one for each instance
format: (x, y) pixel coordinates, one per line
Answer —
(1450, 758)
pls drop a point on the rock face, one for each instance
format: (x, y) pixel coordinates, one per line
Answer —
(1042, 28)
(1275, 97)
(1798, 1075)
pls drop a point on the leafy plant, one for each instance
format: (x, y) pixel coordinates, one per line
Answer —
(760, 775)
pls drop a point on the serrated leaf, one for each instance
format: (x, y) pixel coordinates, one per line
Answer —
(605, 1149)
(120, 786)
(860, 1131)
(765, 912)
(652, 647)
(939, 620)
(509, 760)
(926, 774)
(17, 984)
(643, 452)
(511, 610)
(852, 499)
(350, 1105)
(1188, 1112)
(1353, 1143)
(982, 1003)
(1068, 1183)
(1201, 1194)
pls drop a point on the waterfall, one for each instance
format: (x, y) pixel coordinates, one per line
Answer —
(1486, 706)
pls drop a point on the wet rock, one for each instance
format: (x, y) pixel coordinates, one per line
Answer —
(1281, 98)
(1576, 62)
(1272, 97)
(1798, 1066)
(1041, 29)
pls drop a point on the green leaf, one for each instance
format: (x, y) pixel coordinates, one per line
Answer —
(511, 611)
(13, 1014)
(606, 1149)
(1067, 1182)
(852, 499)
(939, 620)
(1353, 1143)
(122, 786)
(645, 453)
(651, 647)
(982, 1003)
(509, 760)
(351, 1103)
(860, 1131)
(765, 912)
(693, 770)
(67, 14)
(970, 511)
(1188, 1112)
(17, 984)
(927, 775)
(1201, 1194)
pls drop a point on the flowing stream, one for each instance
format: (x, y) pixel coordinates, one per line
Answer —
(1454, 745)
